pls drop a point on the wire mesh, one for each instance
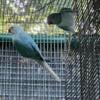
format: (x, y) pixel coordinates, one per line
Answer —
(28, 81)
(88, 19)
(90, 68)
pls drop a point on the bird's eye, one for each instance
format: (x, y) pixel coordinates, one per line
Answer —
(10, 29)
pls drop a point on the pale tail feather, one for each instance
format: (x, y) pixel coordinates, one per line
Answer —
(48, 68)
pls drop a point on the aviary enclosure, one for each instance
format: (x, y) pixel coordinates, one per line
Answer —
(80, 73)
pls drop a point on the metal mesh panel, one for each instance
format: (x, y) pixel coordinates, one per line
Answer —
(26, 81)
(29, 81)
(73, 78)
(90, 68)
(88, 16)
(88, 19)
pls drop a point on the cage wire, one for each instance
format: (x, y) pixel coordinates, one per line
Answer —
(88, 19)
(27, 80)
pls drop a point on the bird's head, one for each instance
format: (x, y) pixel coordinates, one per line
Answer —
(14, 29)
(66, 10)
(54, 18)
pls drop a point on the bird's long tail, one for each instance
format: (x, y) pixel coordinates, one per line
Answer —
(48, 68)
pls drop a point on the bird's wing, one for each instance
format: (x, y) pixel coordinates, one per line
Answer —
(67, 22)
(34, 45)
(28, 44)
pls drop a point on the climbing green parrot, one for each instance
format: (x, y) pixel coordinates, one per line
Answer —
(64, 20)
(28, 48)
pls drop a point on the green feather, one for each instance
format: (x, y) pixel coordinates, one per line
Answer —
(27, 52)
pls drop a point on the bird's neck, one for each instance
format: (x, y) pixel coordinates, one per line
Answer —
(18, 36)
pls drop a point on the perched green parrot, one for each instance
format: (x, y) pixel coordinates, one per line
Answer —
(28, 48)
(64, 20)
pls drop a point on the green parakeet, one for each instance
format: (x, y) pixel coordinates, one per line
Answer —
(28, 48)
(64, 20)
